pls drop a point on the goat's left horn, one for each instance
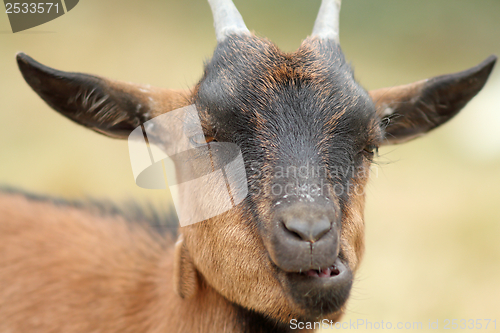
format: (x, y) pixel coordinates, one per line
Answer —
(327, 23)
(227, 19)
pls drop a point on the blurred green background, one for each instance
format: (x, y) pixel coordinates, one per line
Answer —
(432, 216)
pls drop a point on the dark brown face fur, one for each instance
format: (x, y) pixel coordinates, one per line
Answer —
(307, 131)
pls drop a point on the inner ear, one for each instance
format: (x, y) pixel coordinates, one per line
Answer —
(109, 107)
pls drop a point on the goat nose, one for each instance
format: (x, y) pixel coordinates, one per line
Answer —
(310, 230)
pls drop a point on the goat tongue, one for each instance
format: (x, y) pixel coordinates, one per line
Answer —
(312, 272)
(325, 272)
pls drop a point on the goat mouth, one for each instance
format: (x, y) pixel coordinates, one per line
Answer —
(324, 272)
(319, 291)
(326, 277)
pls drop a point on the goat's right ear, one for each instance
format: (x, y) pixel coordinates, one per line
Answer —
(109, 107)
(412, 110)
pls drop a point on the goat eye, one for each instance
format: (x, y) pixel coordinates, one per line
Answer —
(200, 139)
(370, 150)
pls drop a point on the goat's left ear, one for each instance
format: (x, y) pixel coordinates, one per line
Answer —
(110, 107)
(412, 110)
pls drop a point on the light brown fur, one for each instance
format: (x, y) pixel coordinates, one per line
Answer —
(65, 269)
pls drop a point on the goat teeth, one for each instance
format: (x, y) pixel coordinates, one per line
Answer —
(325, 272)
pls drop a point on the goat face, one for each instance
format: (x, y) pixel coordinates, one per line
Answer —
(307, 132)
(303, 125)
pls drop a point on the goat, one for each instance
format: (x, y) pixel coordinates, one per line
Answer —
(275, 257)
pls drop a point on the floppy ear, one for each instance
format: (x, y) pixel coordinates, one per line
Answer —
(412, 110)
(109, 107)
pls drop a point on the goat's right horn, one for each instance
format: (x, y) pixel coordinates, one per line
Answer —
(327, 23)
(227, 19)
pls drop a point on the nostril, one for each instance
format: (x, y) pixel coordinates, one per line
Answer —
(310, 231)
